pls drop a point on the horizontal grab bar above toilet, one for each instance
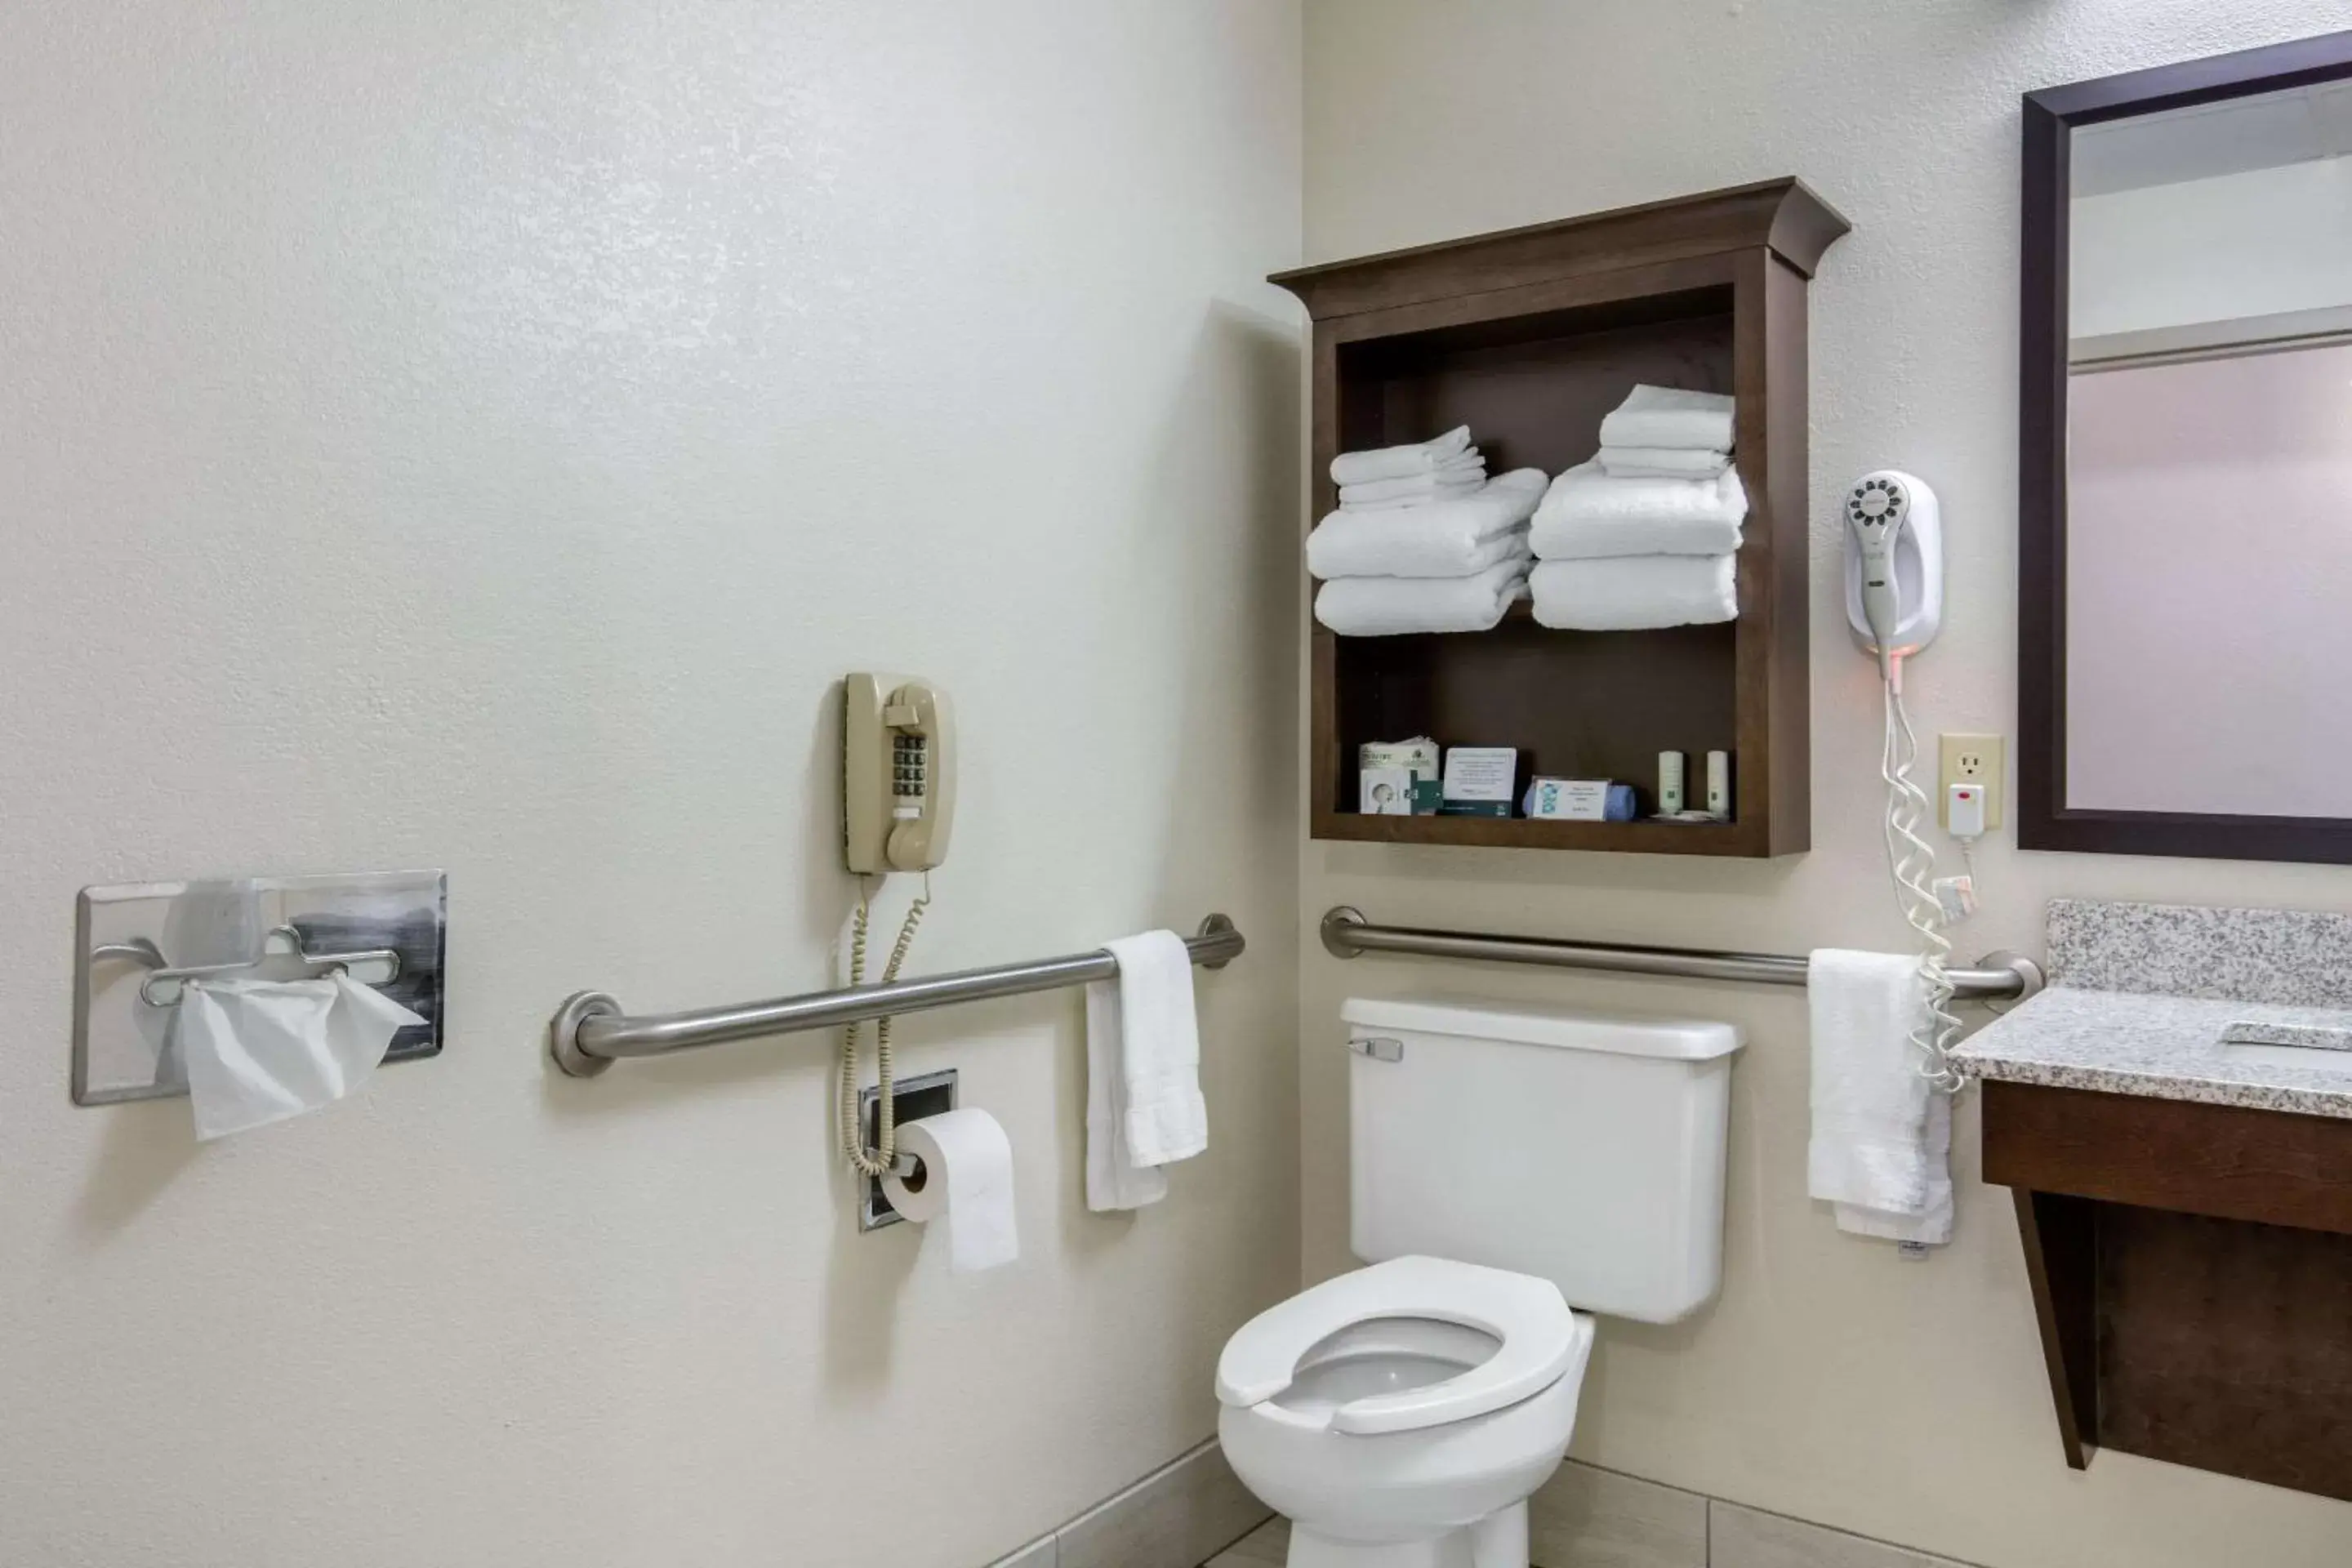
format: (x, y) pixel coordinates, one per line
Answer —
(2001, 976)
(590, 1032)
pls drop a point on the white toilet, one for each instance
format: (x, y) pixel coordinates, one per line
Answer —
(1506, 1163)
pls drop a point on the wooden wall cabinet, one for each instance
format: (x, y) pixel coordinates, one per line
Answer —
(1529, 337)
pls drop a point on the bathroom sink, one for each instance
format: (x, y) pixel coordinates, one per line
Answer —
(2291, 1045)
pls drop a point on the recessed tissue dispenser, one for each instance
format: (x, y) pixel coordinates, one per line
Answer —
(137, 947)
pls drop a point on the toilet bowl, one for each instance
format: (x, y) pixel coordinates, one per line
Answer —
(1401, 1415)
(1503, 1162)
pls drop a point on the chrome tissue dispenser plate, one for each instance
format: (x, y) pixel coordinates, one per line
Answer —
(134, 944)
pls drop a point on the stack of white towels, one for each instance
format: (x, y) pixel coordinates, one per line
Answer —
(1422, 542)
(1646, 535)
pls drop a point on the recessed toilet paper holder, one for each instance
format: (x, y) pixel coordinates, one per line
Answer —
(929, 1094)
(136, 947)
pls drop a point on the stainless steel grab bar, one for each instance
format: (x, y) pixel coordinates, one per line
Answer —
(589, 1033)
(1345, 933)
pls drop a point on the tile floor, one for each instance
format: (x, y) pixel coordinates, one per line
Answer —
(1267, 1544)
(1597, 1519)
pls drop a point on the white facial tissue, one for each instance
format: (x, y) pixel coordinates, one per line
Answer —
(259, 1051)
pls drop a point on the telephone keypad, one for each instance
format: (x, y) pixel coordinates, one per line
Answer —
(910, 764)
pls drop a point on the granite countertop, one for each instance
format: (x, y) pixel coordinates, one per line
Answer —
(2161, 1046)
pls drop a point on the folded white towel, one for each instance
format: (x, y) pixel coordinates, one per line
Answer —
(1872, 1128)
(1153, 1112)
(1636, 593)
(1670, 417)
(1424, 555)
(1456, 538)
(1454, 477)
(1454, 462)
(1387, 607)
(1586, 513)
(1400, 462)
(1114, 1181)
(1405, 503)
(1662, 462)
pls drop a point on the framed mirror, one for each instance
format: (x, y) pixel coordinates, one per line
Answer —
(2184, 460)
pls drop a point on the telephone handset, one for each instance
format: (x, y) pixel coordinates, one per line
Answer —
(898, 773)
(897, 778)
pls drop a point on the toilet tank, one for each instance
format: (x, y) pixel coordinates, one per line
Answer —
(1585, 1149)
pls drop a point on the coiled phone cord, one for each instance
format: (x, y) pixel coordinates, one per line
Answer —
(1911, 859)
(880, 1160)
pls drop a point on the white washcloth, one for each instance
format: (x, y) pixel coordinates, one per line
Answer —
(1400, 462)
(1420, 486)
(1636, 593)
(1662, 462)
(1588, 514)
(1388, 606)
(1457, 538)
(1670, 417)
(1872, 1131)
(1164, 1118)
(1932, 1226)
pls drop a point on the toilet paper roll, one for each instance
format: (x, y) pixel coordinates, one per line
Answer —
(964, 1185)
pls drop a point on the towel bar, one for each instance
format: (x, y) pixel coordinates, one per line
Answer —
(2001, 976)
(589, 1033)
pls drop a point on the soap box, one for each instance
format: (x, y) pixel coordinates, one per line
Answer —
(1569, 800)
(1385, 792)
(1415, 759)
(1578, 800)
(1480, 781)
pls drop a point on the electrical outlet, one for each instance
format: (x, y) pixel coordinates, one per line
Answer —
(1972, 759)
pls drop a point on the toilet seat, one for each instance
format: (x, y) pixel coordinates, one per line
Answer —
(1537, 1337)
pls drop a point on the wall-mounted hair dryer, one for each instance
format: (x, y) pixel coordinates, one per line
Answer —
(1894, 602)
(1893, 566)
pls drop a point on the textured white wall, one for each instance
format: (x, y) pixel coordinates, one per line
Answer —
(477, 435)
(1832, 1379)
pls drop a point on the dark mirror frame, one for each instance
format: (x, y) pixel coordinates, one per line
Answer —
(2044, 821)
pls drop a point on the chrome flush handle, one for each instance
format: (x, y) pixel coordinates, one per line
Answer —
(1380, 1049)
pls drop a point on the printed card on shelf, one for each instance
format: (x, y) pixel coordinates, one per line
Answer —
(1480, 780)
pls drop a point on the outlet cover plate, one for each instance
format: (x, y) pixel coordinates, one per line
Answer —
(1972, 759)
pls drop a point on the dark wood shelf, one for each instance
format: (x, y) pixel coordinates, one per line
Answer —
(1530, 337)
(1521, 833)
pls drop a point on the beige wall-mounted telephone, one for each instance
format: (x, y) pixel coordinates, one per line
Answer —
(898, 780)
(897, 774)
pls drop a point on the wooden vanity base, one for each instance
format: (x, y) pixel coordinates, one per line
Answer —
(2191, 1270)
